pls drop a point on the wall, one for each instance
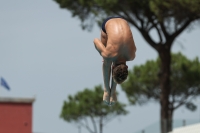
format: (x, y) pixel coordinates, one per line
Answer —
(15, 117)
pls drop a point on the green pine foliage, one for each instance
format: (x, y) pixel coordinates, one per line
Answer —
(88, 104)
(91, 11)
(142, 84)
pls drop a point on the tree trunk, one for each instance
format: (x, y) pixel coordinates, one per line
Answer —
(170, 118)
(101, 124)
(165, 120)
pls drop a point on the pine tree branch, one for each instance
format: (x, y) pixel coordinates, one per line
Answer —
(107, 120)
(86, 125)
(128, 17)
(147, 37)
(155, 25)
(180, 30)
(164, 29)
(138, 17)
(184, 98)
(94, 123)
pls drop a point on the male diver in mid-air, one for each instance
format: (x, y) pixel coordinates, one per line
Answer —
(116, 47)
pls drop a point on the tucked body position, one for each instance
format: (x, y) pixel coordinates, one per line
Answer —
(116, 46)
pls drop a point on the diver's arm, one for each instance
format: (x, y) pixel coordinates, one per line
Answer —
(99, 46)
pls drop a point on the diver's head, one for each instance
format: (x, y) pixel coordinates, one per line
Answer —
(120, 73)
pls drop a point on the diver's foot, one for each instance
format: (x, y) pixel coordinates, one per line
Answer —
(113, 98)
(106, 98)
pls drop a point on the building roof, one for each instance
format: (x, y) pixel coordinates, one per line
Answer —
(177, 123)
(195, 128)
(16, 100)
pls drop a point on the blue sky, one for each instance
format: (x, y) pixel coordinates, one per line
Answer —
(45, 54)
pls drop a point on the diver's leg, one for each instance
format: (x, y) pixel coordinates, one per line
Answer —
(113, 95)
(106, 77)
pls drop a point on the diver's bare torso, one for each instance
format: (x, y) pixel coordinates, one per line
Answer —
(118, 41)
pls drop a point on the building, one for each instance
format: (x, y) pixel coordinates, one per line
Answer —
(16, 115)
(179, 126)
(195, 128)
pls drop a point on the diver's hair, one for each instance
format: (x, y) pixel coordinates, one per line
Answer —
(120, 73)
